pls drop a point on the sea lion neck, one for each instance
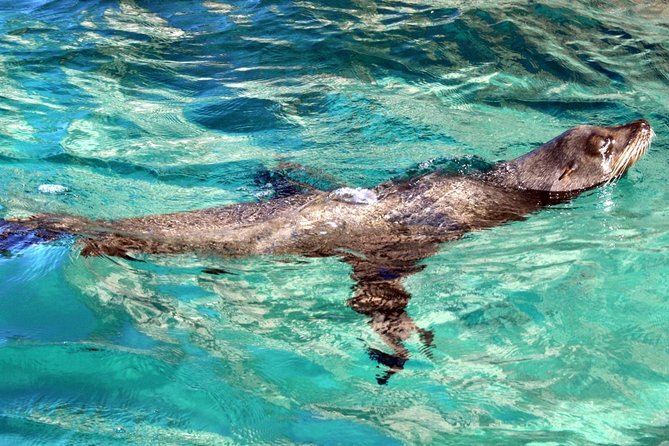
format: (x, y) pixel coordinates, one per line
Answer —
(536, 170)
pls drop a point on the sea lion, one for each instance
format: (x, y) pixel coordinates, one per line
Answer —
(383, 232)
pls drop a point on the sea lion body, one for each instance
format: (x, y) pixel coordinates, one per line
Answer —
(431, 209)
(384, 232)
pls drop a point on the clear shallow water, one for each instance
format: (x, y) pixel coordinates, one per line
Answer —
(547, 331)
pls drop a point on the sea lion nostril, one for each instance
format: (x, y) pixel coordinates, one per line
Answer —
(642, 126)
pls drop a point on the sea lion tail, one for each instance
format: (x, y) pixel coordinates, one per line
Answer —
(15, 237)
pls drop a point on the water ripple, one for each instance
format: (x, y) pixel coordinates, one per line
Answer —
(545, 330)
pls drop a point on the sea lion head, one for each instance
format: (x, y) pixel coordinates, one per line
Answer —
(580, 158)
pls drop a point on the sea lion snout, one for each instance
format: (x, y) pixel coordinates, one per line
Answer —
(642, 124)
(645, 128)
(635, 128)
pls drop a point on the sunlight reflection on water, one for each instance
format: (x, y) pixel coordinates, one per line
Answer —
(546, 330)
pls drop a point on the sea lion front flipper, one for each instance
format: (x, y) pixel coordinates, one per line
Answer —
(277, 183)
(384, 303)
(380, 295)
(288, 179)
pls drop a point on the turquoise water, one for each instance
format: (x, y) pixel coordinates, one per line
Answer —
(547, 331)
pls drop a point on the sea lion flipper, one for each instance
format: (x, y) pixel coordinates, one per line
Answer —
(287, 179)
(15, 236)
(98, 248)
(380, 295)
(278, 184)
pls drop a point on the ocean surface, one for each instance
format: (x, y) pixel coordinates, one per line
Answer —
(548, 331)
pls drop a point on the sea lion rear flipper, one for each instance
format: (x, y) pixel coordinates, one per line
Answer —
(380, 295)
(16, 236)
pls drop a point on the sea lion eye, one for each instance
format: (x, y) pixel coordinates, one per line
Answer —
(605, 145)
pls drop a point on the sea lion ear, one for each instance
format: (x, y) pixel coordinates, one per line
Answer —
(568, 170)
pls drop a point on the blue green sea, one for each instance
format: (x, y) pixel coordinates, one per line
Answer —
(548, 331)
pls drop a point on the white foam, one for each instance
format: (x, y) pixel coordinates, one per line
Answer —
(355, 195)
(52, 188)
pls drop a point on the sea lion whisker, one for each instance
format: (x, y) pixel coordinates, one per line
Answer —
(617, 168)
(643, 145)
(622, 163)
(630, 155)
